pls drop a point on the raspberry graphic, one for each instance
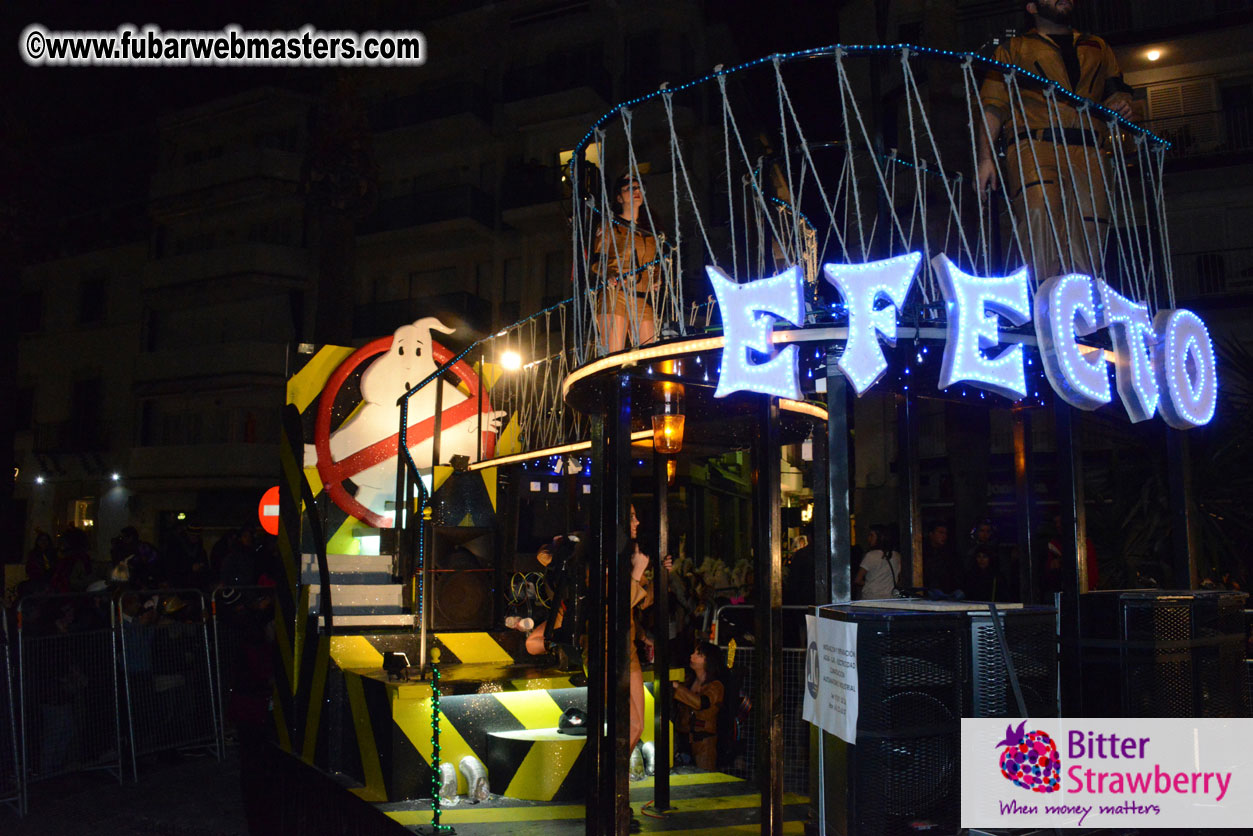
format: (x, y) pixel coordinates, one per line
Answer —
(1030, 759)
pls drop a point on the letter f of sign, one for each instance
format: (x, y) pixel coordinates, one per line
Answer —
(745, 326)
(861, 286)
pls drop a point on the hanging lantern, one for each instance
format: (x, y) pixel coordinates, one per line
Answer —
(668, 419)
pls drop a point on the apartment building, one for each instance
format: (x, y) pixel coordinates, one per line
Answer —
(152, 361)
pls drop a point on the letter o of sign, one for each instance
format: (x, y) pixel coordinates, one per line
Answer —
(1184, 358)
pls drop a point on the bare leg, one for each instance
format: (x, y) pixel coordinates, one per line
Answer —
(637, 705)
(613, 331)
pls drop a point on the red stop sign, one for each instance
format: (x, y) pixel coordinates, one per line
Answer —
(267, 511)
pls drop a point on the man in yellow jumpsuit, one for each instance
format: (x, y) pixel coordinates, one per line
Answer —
(1053, 165)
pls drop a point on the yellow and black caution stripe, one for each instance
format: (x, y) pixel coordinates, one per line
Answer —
(392, 723)
(705, 803)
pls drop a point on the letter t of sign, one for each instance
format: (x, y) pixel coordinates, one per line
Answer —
(861, 286)
(746, 327)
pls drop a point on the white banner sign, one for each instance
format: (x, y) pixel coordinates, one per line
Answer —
(1125, 773)
(831, 677)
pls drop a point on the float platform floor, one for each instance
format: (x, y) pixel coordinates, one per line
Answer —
(705, 804)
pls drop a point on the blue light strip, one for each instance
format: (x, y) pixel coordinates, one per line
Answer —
(855, 49)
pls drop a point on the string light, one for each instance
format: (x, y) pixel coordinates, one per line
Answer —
(436, 827)
(1065, 308)
(1133, 336)
(745, 327)
(968, 58)
(973, 303)
(861, 286)
(1187, 400)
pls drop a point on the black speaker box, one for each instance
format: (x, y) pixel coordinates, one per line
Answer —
(1031, 633)
(463, 577)
(1156, 653)
(902, 774)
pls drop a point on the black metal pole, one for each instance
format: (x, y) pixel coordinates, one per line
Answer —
(839, 480)
(908, 480)
(1024, 476)
(769, 659)
(609, 680)
(661, 640)
(597, 693)
(1183, 533)
(1074, 569)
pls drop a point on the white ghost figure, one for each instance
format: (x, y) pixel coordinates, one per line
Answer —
(407, 363)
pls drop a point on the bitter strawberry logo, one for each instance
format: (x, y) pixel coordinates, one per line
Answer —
(1030, 759)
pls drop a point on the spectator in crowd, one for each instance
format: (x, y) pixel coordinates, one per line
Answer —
(939, 569)
(239, 566)
(41, 561)
(73, 570)
(185, 558)
(983, 578)
(879, 573)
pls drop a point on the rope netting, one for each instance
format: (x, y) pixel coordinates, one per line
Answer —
(843, 154)
(848, 154)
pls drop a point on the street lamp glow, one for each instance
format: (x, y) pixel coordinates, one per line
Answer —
(1153, 54)
(511, 360)
(117, 477)
(39, 480)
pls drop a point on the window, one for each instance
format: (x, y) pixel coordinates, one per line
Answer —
(424, 283)
(30, 311)
(93, 296)
(24, 408)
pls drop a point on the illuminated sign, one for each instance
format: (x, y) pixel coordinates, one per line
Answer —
(745, 326)
(1163, 364)
(862, 286)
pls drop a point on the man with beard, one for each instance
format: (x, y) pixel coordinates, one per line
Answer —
(1053, 157)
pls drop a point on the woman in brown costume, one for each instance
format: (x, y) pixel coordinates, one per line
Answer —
(699, 702)
(626, 271)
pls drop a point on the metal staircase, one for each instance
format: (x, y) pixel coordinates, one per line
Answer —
(364, 596)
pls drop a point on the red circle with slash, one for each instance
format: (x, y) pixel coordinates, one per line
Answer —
(333, 473)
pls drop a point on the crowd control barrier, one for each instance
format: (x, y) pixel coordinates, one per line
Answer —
(740, 758)
(68, 686)
(166, 667)
(240, 617)
(11, 782)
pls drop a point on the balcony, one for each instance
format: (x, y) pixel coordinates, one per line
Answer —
(1119, 21)
(429, 105)
(465, 204)
(263, 266)
(245, 361)
(204, 465)
(532, 196)
(1214, 273)
(1131, 20)
(245, 165)
(380, 318)
(566, 84)
(80, 435)
(1217, 136)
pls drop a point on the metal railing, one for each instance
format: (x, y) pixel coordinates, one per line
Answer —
(1210, 133)
(11, 782)
(93, 681)
(240, 618)
(167, 675)
(68, 686)
(1214, 272)
(741, 760)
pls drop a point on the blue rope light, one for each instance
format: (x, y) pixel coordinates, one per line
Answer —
(839, 49)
